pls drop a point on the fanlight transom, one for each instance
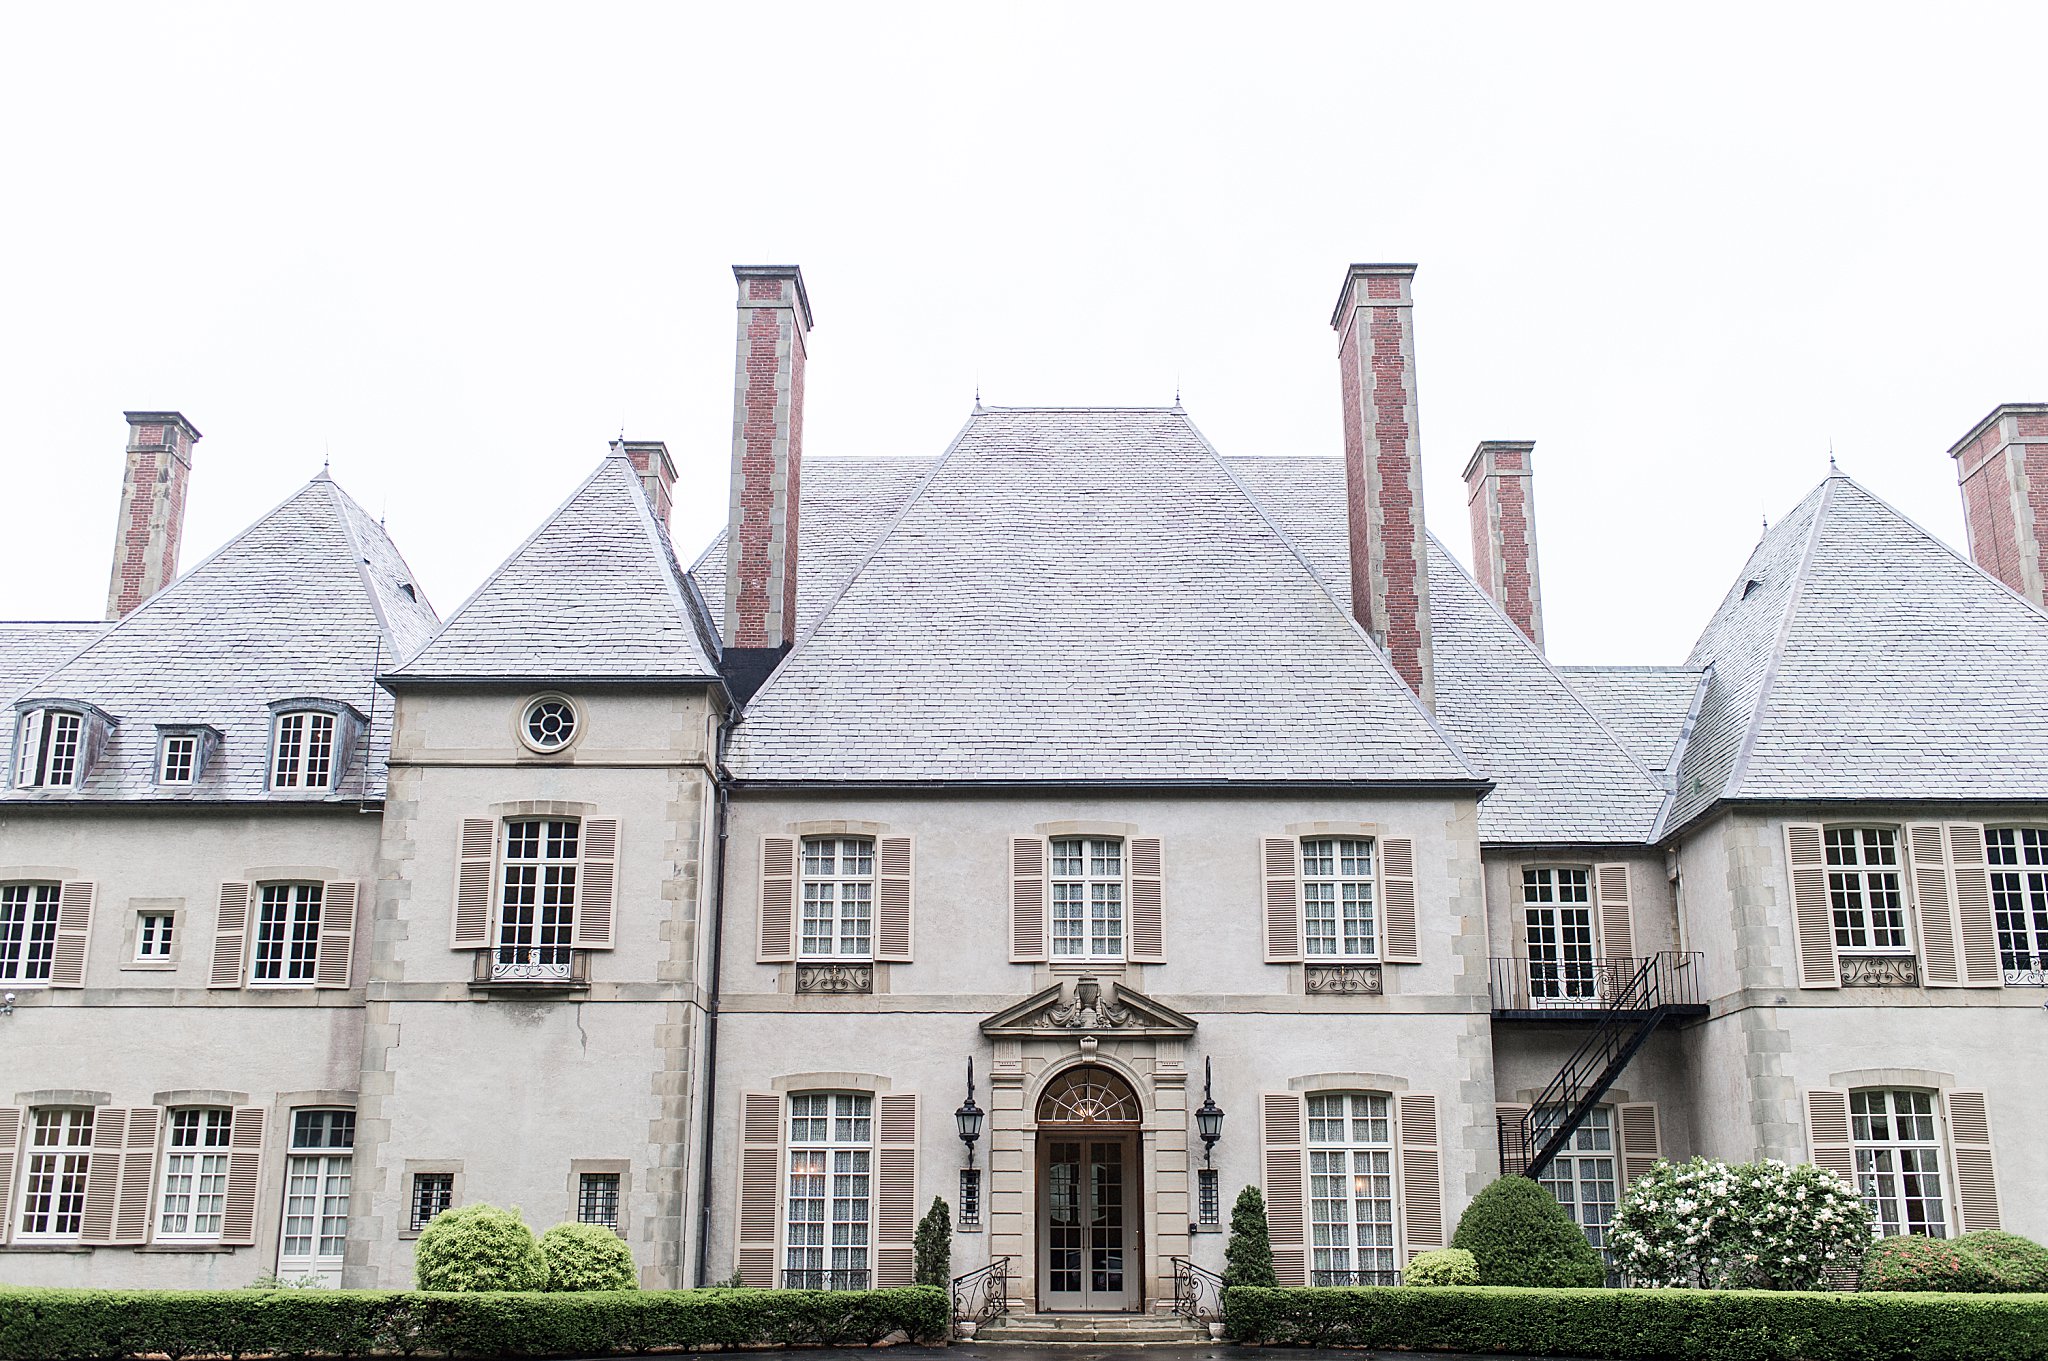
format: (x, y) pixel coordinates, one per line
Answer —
(1088, 1096)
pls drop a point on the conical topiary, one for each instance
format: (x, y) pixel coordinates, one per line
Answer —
(934, 1246)
(1518, 1234)
(1249, 1258)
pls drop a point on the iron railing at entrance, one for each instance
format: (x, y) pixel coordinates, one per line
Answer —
(980, 1296)
(1197, 1292)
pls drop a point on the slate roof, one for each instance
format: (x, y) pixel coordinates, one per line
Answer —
(31, 650)
(594, 595)
(305, 603)
(1082, 596)
(1647, 707)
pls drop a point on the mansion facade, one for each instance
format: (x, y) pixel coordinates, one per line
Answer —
(1167, 820)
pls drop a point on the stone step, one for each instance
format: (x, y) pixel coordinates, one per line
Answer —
(1084, 1329)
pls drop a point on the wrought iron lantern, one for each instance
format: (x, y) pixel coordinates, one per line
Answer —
(968, 1118)
(1209, 1115)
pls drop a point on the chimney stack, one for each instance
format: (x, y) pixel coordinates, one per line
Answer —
(1375, 329)
(657, 470)
(152, 507)
(2002, 466)
(1500, 492)
(767, 464)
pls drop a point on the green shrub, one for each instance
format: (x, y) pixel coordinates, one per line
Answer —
(478, 1247)
(1984, 1262)
(934, 1245)
(587, 1257)
(1737, 1226)
(1518, 1234)
(1248, 1259)
(1445, 1266)
(2019, 1263)
(1648, 1325)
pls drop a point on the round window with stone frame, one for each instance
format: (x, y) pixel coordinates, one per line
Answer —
(549, 724)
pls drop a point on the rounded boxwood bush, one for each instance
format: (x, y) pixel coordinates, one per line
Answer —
(588, 1257)
(1444, 1266)
(1518, 1234)
(2019, 1263)
(1913, 1262)
(478, 1247)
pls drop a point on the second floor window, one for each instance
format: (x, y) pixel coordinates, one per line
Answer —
(1863, 889)
(1557, 921)
(153, 935)
(28, 931)
(2019, 896)
(537, 907)
(831, 1152)
(1351, 1189)
(195, 1174)
(303, 751)
(1087, 898)
(49, 749)
(287, 934)
(59, 1158)
(1898, 1160)
(839, 896)
(1337, 898)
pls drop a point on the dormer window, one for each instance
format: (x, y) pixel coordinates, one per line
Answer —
(183, 755)
(311, 742)
(55, 745)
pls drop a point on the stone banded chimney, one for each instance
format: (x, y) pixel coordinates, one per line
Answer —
(1375, 329)
(2002, 466)
(767, 462)
(657, 470)
(152, 507)
(1500, 493)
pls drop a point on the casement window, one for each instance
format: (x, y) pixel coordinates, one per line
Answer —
(1584, 1176)
(2019, 899)
(537, 897)
(532, 891)
(838, 898)
(1351, 1189)
(1353, 1183)
(28, 931)
(59, 1164)
(318, 1171)
(178, 762)
(195, 1186)
(1337, 901)
(432, 1192)
(1557, 925)
(302, 750)
(1087, 898)
(153, 936)
(50, 750)
(1898, 1160)
(829, 1200)
(1864, 892)
(1849, 907)
(287, 935)
(597, 1199)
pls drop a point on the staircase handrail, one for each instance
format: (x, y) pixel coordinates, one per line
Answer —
(983, 1294)
(1197, 1292)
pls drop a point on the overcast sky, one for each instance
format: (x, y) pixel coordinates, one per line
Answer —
(456, 248)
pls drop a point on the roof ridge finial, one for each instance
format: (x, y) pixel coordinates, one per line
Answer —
(977, 394)
(1833, 470)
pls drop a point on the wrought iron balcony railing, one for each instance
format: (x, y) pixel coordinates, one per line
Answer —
(532, 966)
(1551, 989)
(1325, 1278)
(2025, 971)
(829, 1278)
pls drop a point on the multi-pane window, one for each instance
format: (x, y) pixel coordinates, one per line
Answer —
(153, 935)
(1208, 1197)
(537, 909)
(831, 1139)
(839, 896)
(303, 751)
(2019, 897)
(1898, 1160)
(317, 1174)
(1088, 898)
(432, 1192)
(180, 759)
(287, 934)
(28, 931)
(59, 1156)
(1582, 1175)
(1351, 1189)
(1557, 921)
(195, 1173)
(49, 749)
(597, 1199)
(1863, 888)
(1337, 897)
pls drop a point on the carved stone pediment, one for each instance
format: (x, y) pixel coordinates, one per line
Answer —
(1086, 1006)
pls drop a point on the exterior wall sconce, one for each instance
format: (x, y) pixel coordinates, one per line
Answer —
(967, 1120)
(1209, 1115)
(7, 1005)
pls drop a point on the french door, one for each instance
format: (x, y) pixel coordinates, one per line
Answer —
(1557, 913)
(1087, 1222)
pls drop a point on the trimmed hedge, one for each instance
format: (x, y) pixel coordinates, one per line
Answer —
(1518, 1234)
(1444, 1266)
(92, 1325)
(1648, 1325)
(1982, 1262)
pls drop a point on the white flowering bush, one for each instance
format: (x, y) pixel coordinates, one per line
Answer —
(1737, 1226)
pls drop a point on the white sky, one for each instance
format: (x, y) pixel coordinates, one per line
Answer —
(458, 247)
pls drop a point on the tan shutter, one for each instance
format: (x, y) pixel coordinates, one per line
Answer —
(1813, 920)
(245, 1163)
(336, 951)
(895, 1188)
(1507, 1122)
(230, 932)
(471, 928)
(778, 900)
(760, 1187)
(138, 1177)
(10, 1141)
(1148, 905)
(1027, 899)
(1617, 915)
(1827, 1133)
(1422, 1173)
(1641, 1139)
(103, 1175)
(1935, 904)
(1402, 943)
(1969, 1133)
(74, 932)
(892, 900)
(1283, 900)
(591, 928)
(1972, 869)
(1281, 1134)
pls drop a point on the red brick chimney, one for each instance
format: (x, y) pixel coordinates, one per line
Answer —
(1500, 493)
(152, 507)
(1375, 329)
(767, 458)
(2002, 465)
(657, 470)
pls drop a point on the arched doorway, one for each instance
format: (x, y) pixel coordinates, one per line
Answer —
(1089, 1198)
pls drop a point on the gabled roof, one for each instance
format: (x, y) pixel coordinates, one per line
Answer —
(1859, 657)
(594, 595)
(31, 650)
(305, 603)
(1086, 596)
(1647, 707)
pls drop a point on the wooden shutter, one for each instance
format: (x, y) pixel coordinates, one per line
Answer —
(1422, 1173)
(1281, 1133)
(10, 1141)
(471, 928)
(245, 1163)
(895, 1188)
(1617, 915)
(760, 1187)
(230, 933)
(334, 960)
(1640, 1137)
(1969, 1133)
(103, 1175)
(778, 900)
(591, 929)
(1935, 903)
(138, 1176)
(1148, 907)
(1027, 899)
(1813, 920)
(74, 931)
(892, 900)
(1283, 899)
(1827, 1133)
(1979, 931)
(1402, 938)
